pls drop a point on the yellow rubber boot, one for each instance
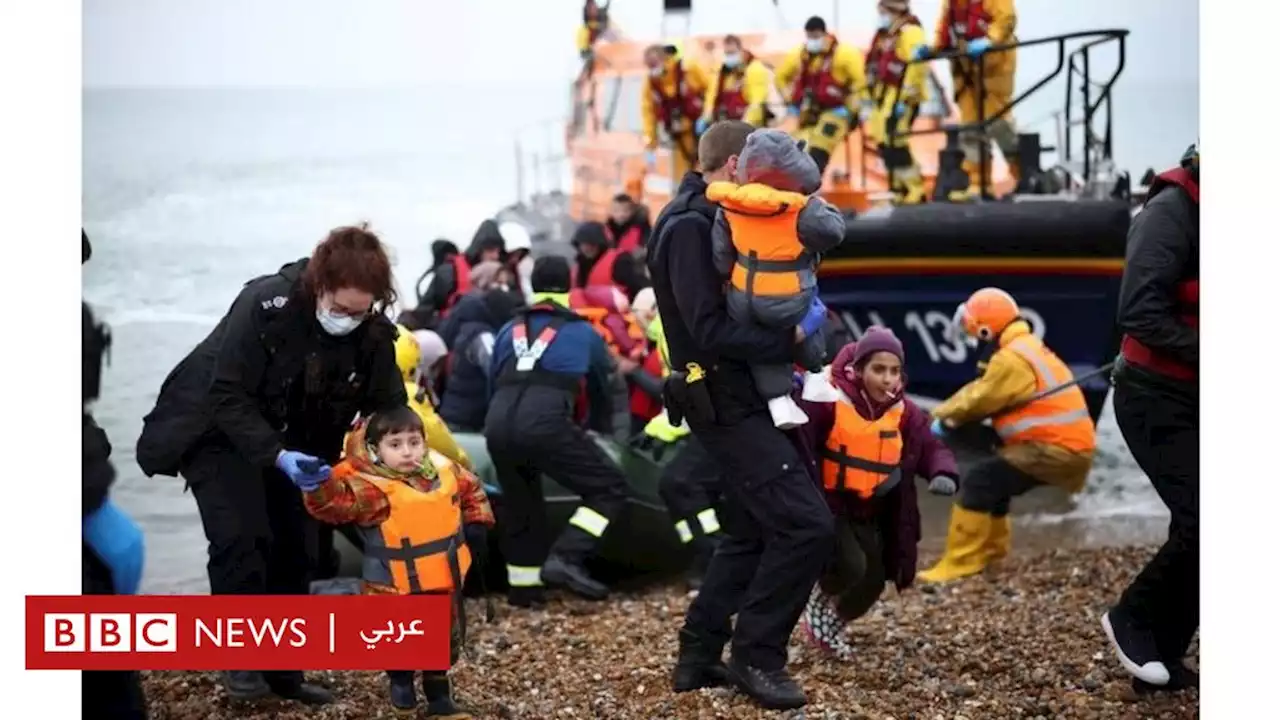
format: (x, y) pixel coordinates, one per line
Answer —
(913, 187)
(965, 554)
(1000, 540)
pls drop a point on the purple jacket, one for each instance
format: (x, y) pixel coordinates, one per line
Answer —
(898, 513)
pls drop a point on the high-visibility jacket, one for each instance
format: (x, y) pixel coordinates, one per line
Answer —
(763, 222)
(420, 547)
(863, 456)
(1061, 418)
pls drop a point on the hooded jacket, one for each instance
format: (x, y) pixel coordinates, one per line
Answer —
(469, 334)
(627, 274)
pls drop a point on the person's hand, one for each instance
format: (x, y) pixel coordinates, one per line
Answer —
(977, 47)
(900, 110)
(701, 126)
(937, 428)
(841, 112)
(650, 159)
(305, 471)
(942, 485)
(117, 540)
(921, 52)
(813, 320)
(793, 111)
(627, 366)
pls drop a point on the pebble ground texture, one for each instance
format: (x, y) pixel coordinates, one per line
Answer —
(1021, 641)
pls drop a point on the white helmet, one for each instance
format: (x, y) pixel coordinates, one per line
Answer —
(515, 237)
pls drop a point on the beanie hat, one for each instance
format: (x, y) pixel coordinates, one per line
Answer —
(815, 24)
(550, 275)
(876, 339)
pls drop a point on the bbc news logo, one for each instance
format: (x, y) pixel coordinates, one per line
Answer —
(169, 632)
(111, 632)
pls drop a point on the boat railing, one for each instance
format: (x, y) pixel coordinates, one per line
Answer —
(1079, 68)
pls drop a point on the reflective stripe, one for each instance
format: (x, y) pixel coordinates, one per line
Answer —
(524, 576)
(589, 521)
(1026, 349)
(1066, 418)
(709, 522)
(682, 528)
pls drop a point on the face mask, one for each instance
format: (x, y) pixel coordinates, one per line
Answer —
(656, 72)
(885, 21)
(814, 45)
(337, 325)
(733, 60)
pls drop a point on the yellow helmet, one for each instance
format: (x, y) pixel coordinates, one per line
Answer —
(986, 313)
(407, 352)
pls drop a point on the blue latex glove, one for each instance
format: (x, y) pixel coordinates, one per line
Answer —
(117, 541)
(304, 471)
(793, 111)
(900, 110)
(920, 52)
(841, 112)
(977, 47)
(797, 380)
(815, 318)
(701, 126)
(650, 159)
(937, 428)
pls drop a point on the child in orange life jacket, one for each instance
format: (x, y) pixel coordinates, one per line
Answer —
(767, 238)
(390, 488)
(867, 447)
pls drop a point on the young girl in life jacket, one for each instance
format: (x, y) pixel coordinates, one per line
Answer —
(867, 448)
(391, 488)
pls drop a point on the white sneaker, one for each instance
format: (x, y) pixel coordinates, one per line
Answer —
(817, 388)
(786, 413)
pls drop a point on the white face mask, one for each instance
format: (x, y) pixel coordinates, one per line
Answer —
(733, 60)
(814, 45)
(656, 72)
(337, 325)
(885, 21)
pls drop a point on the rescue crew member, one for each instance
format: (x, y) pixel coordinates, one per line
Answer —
(739, 90)
(896, 90)
(595, 23)
(408, 359)
(263, 400)
(673, 99)
(469, 333)
(1041, 417)
(394, 493)
(112, 551)
(825, 83)
(972, 28)
(778, 528)
(540, 361)
(453, 279)
(597, 264)
(426, 313)
(628, 225)
(1157, 404)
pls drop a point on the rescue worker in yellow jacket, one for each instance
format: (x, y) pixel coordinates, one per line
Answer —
(1047, 437)
(595, 24)
(825, 84)
(738, 90)
(897, 88)
(673, 100)
(408, 355)
(973, 27)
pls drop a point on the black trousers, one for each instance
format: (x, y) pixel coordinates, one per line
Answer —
(855, 574)
(690, 486)
(991, 484)
(1161, 425)
(778, 537)
(261, 539)
(107, 694)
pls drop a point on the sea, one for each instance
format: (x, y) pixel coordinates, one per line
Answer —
(189, 193)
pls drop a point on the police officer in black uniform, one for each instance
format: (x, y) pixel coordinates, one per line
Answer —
(265, 399)
(112, 550)
(779, 529)
(540, 362)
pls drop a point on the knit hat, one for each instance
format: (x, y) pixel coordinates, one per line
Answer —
(550, 275)
(431, 347)
(900, 6)
(876, 339)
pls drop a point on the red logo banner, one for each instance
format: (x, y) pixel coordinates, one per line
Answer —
(177, 632)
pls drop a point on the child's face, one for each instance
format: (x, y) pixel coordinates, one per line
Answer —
(402, 451)
(882, 375)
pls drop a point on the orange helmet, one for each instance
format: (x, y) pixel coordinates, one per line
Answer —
(986, 313)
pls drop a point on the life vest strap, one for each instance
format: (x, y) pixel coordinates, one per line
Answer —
(409, 553)
(1006, 431)
(754, 264)
(892, 473)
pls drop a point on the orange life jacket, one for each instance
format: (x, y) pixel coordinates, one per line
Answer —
(420, 546)
(601, 272)
(462, 281)
(967, 20)
(862, 456)
(685, 106)
(763, 223)
(1061, 418)
(884, 67)
(731, 104)
(819, 85)
(1188, 305)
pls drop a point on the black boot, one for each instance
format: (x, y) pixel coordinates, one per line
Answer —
(526, 597)
(771, 689)
(559, 571)
(698, 664)
(290, 686)
(404, 698)
(245, 685)
(439, 691)
(1135, 647)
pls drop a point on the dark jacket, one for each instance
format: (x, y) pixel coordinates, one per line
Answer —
(469, 332)
(444, 277)
(691, 302)
(269, 378)
(923, 455)
(96, 472)
(627, 273)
